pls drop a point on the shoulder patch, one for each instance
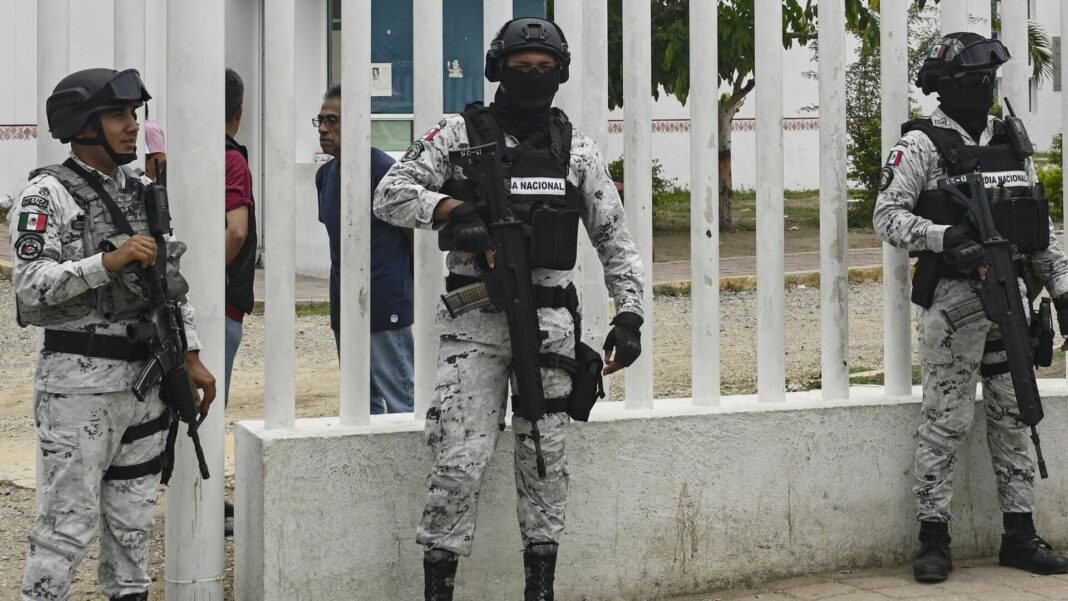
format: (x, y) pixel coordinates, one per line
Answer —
(36, 201)
(896, 155)
(886, 177)
(29, 246)
(414, 151)
(429, 136)
(33, 222)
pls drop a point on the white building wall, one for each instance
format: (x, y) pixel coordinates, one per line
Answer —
(18, 96)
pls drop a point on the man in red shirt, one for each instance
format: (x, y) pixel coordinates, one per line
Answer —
(240, 236)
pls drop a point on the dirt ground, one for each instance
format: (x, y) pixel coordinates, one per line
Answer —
(675, 245)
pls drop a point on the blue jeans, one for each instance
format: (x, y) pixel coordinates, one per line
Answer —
(392, 385)
(234, 330)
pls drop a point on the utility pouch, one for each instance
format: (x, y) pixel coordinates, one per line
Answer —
(554, 237)
(1042, 333)
(587, 384)
(1024, 220)
(925, 279)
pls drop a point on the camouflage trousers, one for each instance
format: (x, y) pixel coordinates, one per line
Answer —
(463, 425)
(951, 360)
(80, 437)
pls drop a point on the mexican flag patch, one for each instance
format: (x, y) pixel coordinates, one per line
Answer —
(33, 222)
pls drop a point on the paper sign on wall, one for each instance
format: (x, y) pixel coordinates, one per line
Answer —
(382, 79)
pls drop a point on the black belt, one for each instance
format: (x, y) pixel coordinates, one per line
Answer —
(95, 345)
(545, 297)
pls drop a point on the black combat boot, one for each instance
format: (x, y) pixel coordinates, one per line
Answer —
(1022, 548)
(132, 597)
(439, 569)
(933, 563)
(539, 563)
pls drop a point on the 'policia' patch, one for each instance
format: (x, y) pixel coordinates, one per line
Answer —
(886, 178)
(29, 246)
(414, 151)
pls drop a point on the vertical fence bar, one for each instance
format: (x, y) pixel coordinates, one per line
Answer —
(195, 154)
(53, 64)
(356, 213)
(954, 15)
(897, 338)
(1015, 74)
(130, 45)
(771, 303)
(638, 180)
(429, 269)
(834, 253)
(1064, 105)
(279, 138)
(155, 75)
(594, 125)
(571, 95)
(704, 202)
(494, 14)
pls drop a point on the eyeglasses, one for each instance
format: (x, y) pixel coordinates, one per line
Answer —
(330, 120)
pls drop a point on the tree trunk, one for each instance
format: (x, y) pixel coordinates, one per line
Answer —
(727, 109)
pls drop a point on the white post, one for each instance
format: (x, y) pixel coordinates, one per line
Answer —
(771, 295)
(130, 45)
(594, 125)
(1064, 106)
(53, 64)
(1016, 74)
(704, 202)
(979, 19)
(571, 96)
(897, 317)
(638, 179)
(279, 214)
(834, 255)
(195, 155)
(494, 14)
(429, 268)
(954, 15)
(356, 213)
(155, 75)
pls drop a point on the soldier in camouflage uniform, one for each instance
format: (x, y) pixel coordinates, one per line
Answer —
(912, 214)
(102, 450)
(530, 59)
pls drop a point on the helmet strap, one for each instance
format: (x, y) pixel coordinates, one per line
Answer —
(102, 141)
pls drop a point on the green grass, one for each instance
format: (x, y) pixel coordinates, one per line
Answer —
(313, 309)
(874, 379)
(671, 210)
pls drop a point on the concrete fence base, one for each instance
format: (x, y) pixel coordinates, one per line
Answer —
(667, 501)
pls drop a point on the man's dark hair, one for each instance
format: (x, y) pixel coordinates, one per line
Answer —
(235, 94)
(333, 92)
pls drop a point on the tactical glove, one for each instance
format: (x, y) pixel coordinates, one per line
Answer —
(1061, 305)
(625, 337)
(469, 232)
(961, 249)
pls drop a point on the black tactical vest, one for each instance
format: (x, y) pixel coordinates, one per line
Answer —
(1020, 210)
(241, 272)
(536, 178)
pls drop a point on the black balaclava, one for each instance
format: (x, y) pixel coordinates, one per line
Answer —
(967, 101)
(523, 100)
(101, 140)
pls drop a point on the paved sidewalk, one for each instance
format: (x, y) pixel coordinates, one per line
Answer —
(972, 580)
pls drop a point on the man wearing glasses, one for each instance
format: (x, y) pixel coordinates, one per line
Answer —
(912, 213)
(392, 286)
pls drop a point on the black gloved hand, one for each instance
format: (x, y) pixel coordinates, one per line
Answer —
(469, 232)
(1061, 305)
(625, 337)
(961, 249)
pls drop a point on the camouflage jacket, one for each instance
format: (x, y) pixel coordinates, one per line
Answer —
(408, 195)
(913, 167)
(51, 267)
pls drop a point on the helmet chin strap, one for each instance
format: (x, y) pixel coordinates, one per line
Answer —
(101, 140)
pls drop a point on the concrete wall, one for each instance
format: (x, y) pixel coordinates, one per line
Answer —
(673, 500)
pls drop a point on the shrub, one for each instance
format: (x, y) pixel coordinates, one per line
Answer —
(661, 185)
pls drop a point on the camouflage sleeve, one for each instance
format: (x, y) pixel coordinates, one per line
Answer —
(904, 177)
(191, 338)
(40, 225)
(1050, 266)
(602, 213)
(408, 194)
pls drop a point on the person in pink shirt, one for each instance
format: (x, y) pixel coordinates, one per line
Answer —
(156, 147)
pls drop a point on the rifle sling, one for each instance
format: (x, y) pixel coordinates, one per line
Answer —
(95, 345)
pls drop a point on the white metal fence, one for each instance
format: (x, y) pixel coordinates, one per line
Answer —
(195, 72)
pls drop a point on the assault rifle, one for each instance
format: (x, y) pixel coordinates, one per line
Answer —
(1000, 295)
(509, 284)
(164, 332)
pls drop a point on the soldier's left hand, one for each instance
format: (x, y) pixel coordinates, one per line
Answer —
(624, 341)
(202, 380)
